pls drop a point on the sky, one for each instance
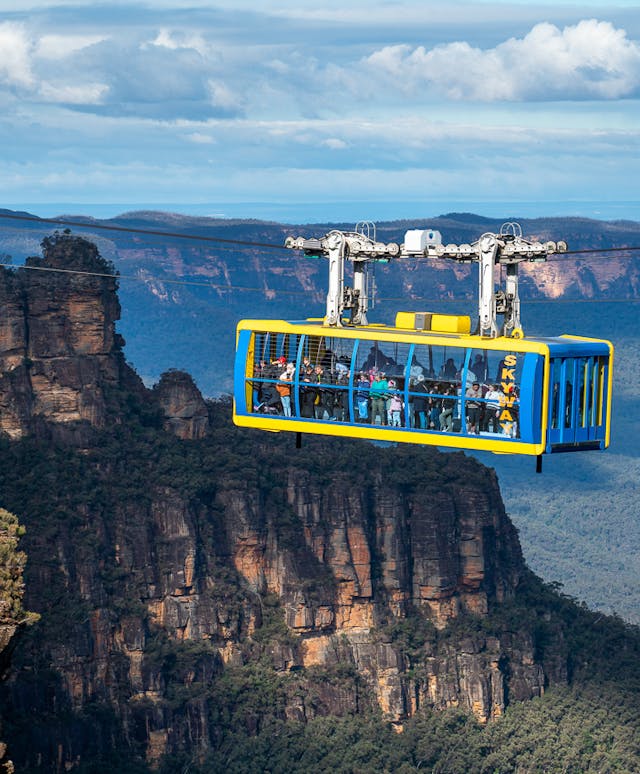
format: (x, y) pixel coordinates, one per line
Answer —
(378, 106)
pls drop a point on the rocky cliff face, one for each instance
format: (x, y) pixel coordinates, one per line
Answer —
(185, 411)
(60, 356)
(59, 353)
(373, 556)
(172, 556)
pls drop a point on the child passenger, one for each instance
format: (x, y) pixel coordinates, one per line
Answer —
(395, 406)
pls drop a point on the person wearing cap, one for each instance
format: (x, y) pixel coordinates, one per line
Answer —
(473, 397)
(283, 388)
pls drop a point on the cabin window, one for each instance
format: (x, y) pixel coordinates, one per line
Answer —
(389, 358)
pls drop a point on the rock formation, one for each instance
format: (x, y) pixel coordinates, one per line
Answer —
(182, 404)
(59, 353)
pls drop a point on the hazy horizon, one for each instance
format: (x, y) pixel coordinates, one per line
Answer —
(321, 211)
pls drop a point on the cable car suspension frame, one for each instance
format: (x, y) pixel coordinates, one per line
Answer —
(506, 248)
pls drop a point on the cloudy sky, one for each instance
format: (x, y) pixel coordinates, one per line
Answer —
(399, 103)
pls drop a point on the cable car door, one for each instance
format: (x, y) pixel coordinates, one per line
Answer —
(576, 401)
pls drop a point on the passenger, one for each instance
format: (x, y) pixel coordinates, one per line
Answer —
(495, 398)
(512, 397)
(323, 406)
(448, 370)
(259, 371)
(284, 389)
(377, 359)
(378, 393)
(480, 368)
(473, 406)
(271, 403)
(341, 395)
(421, 403)
(433, 407)
(308, 395)
(362, 397)
(396, 404)
(410, 408)
(387, 402)
(555, 401)
(448, 405)
(318, 379)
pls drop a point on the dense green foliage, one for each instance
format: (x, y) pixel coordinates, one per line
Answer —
(578, 521)
(68, 498)
(568, 730)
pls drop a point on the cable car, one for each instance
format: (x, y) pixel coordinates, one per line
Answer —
(427, 379)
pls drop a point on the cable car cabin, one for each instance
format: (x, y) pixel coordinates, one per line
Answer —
(414, 383)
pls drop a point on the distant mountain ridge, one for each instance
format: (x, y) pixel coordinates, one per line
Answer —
(182, 298)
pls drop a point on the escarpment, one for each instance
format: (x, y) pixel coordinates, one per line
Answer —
(192, 577)
(59, 352)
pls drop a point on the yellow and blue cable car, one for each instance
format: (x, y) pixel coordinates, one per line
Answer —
(427, 379)
(536, 396)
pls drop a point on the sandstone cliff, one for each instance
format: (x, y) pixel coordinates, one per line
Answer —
(175, 560)
(60, 353)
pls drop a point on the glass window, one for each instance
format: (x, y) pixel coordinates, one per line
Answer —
(493, 405)
(324, 378)
(569, 368)
(270, 394)
(600, 377)
(556, 393)
(437, 362)
(388, 357)
(582, 385)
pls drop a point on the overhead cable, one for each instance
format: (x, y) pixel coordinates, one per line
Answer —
(243, 242)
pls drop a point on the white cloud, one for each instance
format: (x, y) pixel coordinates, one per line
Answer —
(201, 139)
(222, 97)
(60, 46)
(84, 94)
(175, 40)
(15, 55)
(591, 59)
(334, 143)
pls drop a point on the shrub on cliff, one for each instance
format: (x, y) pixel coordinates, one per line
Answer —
(12, 564)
